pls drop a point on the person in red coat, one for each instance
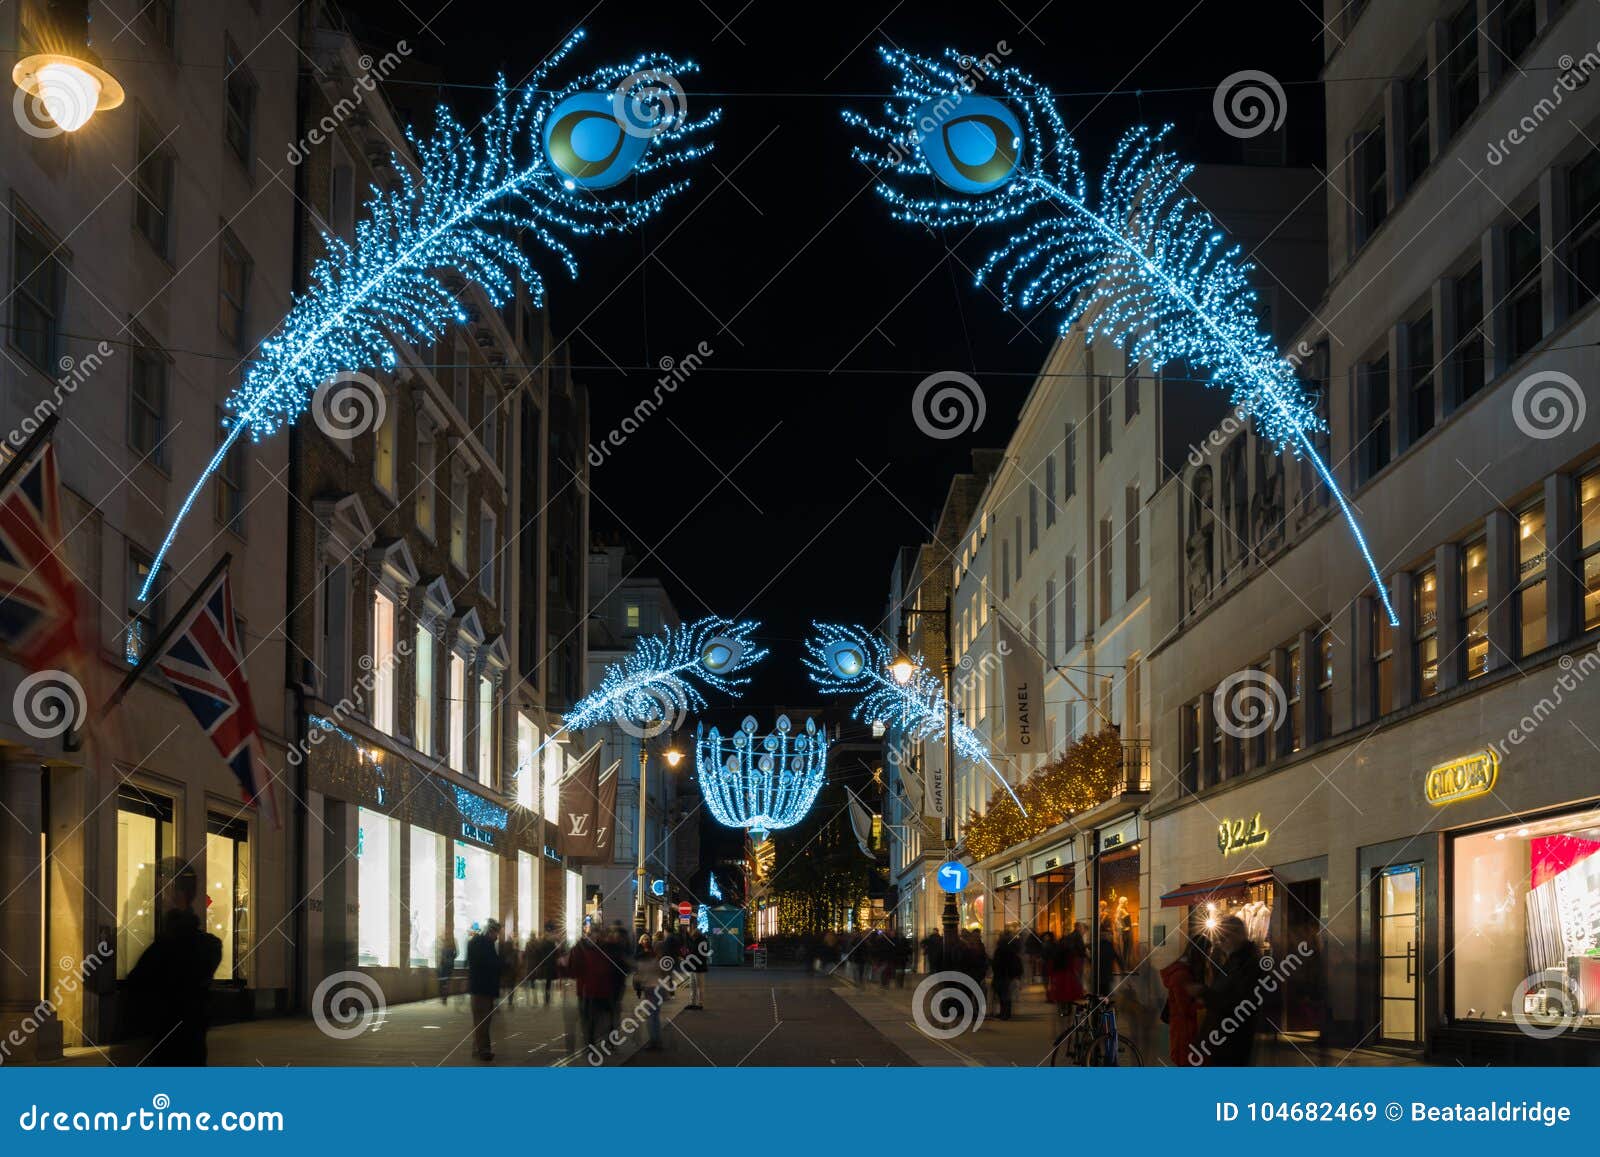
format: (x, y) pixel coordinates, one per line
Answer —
(1183, 978)
(1064, 970)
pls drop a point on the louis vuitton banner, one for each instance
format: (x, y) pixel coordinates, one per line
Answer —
(580, 817)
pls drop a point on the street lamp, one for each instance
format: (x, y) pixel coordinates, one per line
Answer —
(66, 78)
(902, 669)
(673, 758)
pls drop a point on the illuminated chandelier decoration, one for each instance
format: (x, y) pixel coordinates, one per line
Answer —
(762, 784)
(850, 660)
(1142, 264)
(529, 172)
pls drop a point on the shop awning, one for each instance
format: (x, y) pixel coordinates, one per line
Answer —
(1222, 888)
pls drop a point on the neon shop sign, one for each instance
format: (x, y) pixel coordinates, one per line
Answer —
(1241, 835)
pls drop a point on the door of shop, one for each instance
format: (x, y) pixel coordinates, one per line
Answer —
(1399, 916)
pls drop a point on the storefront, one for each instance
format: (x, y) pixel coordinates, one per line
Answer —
(1117, 898)
(1008, 897)
(1052, 882)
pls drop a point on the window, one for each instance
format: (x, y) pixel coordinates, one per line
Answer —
(382, 713)
(425, 482)
(458, 521)
(1518, 27)
(1069, 464)
(37, 279)
(427, 896)
(1524, 314)
(385, 470)
(1105, 569)
(1017, 560)
(1583, 244)
(477, 894)
(458, 712)
(147, 403)
(1372, 187)
(460, 377)
(550, 781)
(1475, 607)
(1531, 602)
(1050, 490)
(631, 617)
(230, 484)
(377, 889)
(1324, 659)
(145, 621)
(1103, 413)
(527, 770)
(226, 894)
(490, 429)
(233, 288)
(1415, 99)
(1375, 392)
(1589, 547)
(162, 15)
(1292, 736)
(241, 97)
(335, 631)
(487, 551)
(146, 841)
(1468, 354)
(525, 919)
(1461, 64)
(1382, 662)
(486, 731)
(1130, 540)
(152, 188)
(1130, 395)
(1419, 377)
(342, 195)
(422, 706)
(1033, 623)
(1425, 633)
(1069, 606)
(1193, 720)
(1005, 569)
(1033, 517)
(1050, 622)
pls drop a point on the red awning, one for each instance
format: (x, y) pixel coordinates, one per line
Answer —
(1222, 888)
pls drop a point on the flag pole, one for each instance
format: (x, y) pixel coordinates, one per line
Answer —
(161, 640)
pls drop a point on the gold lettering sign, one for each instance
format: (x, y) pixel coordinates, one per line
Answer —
(1461, 779)
(1238, 835)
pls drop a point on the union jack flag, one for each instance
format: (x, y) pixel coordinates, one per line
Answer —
(204, 661)
(38, 594)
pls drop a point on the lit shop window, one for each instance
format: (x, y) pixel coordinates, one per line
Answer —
(1589, 547)
(477, 881)
(227, 892)
(377, 889)
(144, 840)
(427, 896)
(527, 770)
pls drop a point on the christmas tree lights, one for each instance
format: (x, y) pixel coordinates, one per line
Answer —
(850, 660)
(1141, 264)
(762, 784)
(528, 173)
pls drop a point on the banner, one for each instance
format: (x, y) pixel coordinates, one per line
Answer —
(580, 805)
(605, 833)
(1022, 692)
(933, 801)
(861, 824)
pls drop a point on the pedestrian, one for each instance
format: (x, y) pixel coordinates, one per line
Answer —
(1108, 961)
(509, 980)
(172, 978)
(1007, 971)
(1182, 979)
(591, 973)
(445, 962)
(483, 984)
(694, 963)
(543, 960)
(1231, 996)
(1064, 970)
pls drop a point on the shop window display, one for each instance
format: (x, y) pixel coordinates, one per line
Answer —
(144, 840)
(1527, 905)
(477, 892)
(427, 896)
(1252, 904)
(1117, 907)
(377, 890)
(227, 897)
(1052, 902)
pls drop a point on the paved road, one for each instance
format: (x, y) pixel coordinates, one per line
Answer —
(771, 1018)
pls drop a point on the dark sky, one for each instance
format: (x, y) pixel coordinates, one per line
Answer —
(823, 314)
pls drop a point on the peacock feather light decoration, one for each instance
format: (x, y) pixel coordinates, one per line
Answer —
(761, 783)
(852, 661)
(534, 172)
(1140, 262)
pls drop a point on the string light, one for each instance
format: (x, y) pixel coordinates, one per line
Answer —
(1143, 265)
(764, 784)
(1085, 775)
(480, 812)
(850, 660)
(463, 214)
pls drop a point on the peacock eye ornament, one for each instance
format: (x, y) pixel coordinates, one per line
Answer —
(972, 144)
(587, 146)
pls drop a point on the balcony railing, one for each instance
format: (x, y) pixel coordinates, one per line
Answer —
(1135, 767)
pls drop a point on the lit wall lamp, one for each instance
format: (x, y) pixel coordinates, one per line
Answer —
(66, 79)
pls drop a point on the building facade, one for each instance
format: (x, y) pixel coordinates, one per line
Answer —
(1411, 809)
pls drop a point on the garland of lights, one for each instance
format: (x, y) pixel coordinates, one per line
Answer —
(849, 660)
(1145, 265)
(761, 785)
(1084, 775)
(530, 171)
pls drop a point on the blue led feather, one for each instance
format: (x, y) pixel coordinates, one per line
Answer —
(852, 661)
(478, 197)
(1142, 264)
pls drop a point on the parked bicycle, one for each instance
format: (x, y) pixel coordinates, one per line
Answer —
(1091, 1038)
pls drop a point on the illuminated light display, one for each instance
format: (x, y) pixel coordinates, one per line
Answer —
(478, 194)
(1141, 264)
(1241, 835)
(852, 661)
(652, 689)
(761, 784)
(1465, 778)
(480, 812)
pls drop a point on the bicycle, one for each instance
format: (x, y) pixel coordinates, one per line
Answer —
(1092, 1039)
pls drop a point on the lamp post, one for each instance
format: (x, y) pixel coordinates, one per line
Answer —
(65, 78)
(672, 757)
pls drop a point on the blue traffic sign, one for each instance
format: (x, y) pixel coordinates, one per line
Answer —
(953, 876)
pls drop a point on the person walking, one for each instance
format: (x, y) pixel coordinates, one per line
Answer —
(445, 962)
(544, 961)
(172, 977)
(1232, 995)
(483, 984)
(1007, 971)
(1182, 979)
(592, 974)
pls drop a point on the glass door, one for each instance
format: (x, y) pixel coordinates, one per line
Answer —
(1400, 953)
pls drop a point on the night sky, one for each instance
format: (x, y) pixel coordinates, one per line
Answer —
(822, 313)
